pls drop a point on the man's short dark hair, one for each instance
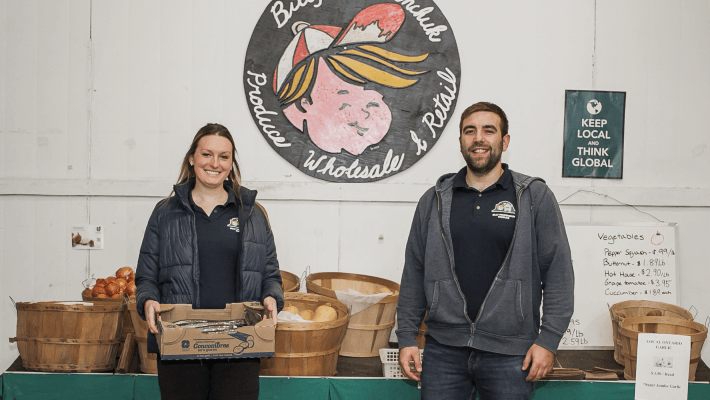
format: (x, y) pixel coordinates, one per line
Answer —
(490, 107)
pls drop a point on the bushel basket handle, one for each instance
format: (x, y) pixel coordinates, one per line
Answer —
(613, 315)
(304, 275)
(696, 312)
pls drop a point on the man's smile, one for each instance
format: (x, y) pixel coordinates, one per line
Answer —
(479, 150)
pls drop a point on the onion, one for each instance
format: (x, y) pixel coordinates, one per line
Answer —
(124, 272)
(121, 282)
(98, 289)
(112, 288)
(131, 288)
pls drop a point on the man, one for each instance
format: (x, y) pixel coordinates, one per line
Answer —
(484, 245)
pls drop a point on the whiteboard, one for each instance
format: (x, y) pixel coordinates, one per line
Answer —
(614, 263)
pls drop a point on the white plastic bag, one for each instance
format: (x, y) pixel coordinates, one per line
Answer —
(357, 301)
(288, 316)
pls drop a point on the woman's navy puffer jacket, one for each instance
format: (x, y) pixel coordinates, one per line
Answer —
(168, 265)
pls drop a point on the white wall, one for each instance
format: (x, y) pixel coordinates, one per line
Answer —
(99, 100)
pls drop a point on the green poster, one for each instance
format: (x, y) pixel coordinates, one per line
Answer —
(594, 134)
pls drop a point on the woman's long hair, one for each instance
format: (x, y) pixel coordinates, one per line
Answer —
(187, 171)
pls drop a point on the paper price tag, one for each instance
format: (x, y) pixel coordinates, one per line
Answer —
(662, 363)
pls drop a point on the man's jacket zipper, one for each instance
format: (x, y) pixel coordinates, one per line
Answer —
(515, 230)
(451, 262)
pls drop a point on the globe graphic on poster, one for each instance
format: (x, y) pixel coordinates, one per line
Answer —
(594, 107)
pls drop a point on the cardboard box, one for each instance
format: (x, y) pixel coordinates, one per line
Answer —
(178, 343)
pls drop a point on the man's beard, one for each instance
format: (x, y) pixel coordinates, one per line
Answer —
(482, 166)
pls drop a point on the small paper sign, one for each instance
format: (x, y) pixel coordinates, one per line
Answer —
(87, 237)
(662, 366)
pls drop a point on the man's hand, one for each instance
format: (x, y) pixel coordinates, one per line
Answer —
(152, 308)
(540, 361)
(270, 304)
(407, 354)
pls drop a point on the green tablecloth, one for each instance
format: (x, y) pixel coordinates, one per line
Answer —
(30, 386)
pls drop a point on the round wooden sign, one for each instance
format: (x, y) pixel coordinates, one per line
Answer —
(352, 90)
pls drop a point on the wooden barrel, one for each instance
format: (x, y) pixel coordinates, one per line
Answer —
(290, 282)
(307, 348)
(127, 323)
(629, 328)
(57, 337)
(149, 361)
(369, 330)
(640, 308)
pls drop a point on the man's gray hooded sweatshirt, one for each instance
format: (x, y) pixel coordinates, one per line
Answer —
(508, 322)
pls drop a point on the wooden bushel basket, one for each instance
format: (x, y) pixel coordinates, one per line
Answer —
(640, 308)
(629, 329)
(127, 323)
(56, 337)
(307, 348)
(369, 330)
(149, 361)
(290, 282)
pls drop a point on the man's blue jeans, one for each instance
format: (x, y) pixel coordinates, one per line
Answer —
(452, 373)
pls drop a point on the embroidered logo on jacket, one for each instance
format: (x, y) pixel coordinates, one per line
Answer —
(234, 224)
(504, 210)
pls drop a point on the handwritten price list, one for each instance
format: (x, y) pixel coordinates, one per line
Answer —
(648, 278)
(614, 264)
(574, 335)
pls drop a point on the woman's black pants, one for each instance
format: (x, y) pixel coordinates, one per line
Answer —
(236, 378)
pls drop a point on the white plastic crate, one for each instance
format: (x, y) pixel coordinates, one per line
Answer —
(390, 363)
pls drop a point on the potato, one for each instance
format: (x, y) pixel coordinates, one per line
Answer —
(306, 314)
(325, 314)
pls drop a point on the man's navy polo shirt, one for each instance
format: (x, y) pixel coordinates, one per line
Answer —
(482, 227)
(218, 246)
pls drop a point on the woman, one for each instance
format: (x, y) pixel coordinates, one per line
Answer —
(208, 245)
